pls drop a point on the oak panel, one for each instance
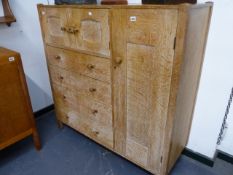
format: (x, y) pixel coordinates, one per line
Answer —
(149, 70)
(93, 30)
(52, 22)
(84, 85)
(87, 107)
(91, 66)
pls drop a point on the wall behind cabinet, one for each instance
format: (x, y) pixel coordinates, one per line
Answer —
(24, 36)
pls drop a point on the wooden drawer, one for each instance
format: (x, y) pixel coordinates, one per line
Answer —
(98, 132)
(86, 107)
(79, 29)
(83, 85)
(79, 112)
(94, 67)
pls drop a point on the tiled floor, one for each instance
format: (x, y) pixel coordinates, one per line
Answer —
(65, 152)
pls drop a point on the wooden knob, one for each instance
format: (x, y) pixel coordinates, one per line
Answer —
(63, 29)
(64, 97)
(75, 31)
(61, 77)
(58, 57)
(96, 132)
(92, 89)
(90, 66)
(94, 111)
(117, 62)
(72, 30)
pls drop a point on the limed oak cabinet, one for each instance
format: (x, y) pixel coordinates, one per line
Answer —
(127, 76)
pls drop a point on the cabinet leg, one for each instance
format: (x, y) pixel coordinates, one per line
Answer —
(36, 140)
(60, 124)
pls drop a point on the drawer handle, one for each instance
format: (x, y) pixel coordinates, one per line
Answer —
(61, 77)
(72, 30)
(58, 57)
(117, 62)
(94, 111)
(90, 66)
(92, 89)
(96, 132)
(64, 97)
(75, 31)
(64, 29)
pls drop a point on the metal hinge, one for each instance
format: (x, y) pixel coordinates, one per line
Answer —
(174, 45)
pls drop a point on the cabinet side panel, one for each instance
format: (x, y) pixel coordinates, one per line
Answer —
(197, 31)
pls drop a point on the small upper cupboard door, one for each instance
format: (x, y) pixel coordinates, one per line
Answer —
(91, 30)
(149, 54)
(54, 26)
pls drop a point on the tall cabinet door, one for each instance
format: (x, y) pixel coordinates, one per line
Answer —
(54, 22)
(144, 57)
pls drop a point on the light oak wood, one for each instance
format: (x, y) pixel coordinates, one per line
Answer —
(138, 94)
(197, 30)
(95, 67)
(84, 85)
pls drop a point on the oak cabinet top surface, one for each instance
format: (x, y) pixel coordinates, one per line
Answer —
(141, 6)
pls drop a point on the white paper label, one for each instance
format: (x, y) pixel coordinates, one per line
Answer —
(133, 18)
(11, 59)
(90, 13)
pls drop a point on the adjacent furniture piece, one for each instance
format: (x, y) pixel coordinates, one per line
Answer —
(127, 76)
(168, 1)
(16, 116)
(8, 17)
(113, 2)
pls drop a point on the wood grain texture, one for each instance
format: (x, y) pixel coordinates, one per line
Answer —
(195, 42)
(84, 85)
(52, 22)
(177, 62)
(95, 67)
(93, 30)
(78, 29)
(119, 78)
(133, 92)
(149, 69)
(16, 119)
(85, 114)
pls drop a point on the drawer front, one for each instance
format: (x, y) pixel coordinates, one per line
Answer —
(52, 21)
(92, 30)
(86, 107)
(81, 84)
(91, 66)
(84, 114)
(98, 132)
